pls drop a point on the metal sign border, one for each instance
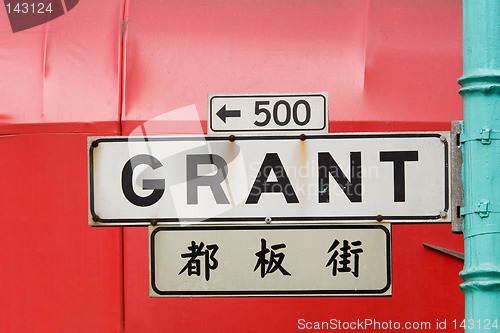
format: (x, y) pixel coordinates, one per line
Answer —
(324, 95)
(273, 293)
(228, 220)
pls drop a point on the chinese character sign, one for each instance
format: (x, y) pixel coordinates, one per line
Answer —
(270, 260)
(340, 261)
(193, 266)
(275, 261)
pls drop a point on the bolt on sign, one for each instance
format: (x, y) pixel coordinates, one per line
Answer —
(355, 178)
(270, 260)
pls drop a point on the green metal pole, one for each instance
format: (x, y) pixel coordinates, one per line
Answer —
(481, 169)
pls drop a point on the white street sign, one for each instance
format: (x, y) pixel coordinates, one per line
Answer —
(254, 113)
(329, 178)
(315, 260)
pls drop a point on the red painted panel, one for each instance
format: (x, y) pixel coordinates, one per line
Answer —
(62, 76)
(195, 48)
(387, 65)
(413, 61)
(379, 61)
(425, 289)
(57, 274)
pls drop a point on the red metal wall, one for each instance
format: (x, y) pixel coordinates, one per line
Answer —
(388, 65)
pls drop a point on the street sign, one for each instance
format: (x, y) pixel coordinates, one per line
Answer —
(254, 113)
(397, 177)
(317, 260)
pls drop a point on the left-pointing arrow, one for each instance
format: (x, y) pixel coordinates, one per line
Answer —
(223, 113)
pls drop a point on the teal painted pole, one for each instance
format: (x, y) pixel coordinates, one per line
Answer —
(481, 169)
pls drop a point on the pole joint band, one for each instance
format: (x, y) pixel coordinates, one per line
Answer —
(483, 209)
(484, 136)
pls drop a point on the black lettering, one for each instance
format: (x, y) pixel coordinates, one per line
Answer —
(327, 166)
(287, 113)
(214, 181)
(398, 158)
(307, 112)
(261, 185)
(157, 185)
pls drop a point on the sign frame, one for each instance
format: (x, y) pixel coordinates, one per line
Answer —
(211, 114)
(386, 291)
(442, 217)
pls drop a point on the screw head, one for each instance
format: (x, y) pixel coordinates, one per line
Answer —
(442, 138)
(268, 220)
(154, 223)
(232, 138)
(95, 218)
(302, 137)
(95, 144)
(379, 218)
(443, 214)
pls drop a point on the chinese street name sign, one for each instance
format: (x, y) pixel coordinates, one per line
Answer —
(326, 178)
(254, 113)
(317, 260)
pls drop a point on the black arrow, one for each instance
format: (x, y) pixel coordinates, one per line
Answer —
(223, 113)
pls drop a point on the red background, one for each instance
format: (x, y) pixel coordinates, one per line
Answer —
(108, 67)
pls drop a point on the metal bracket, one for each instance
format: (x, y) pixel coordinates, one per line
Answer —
(483, 208)
(484, 136)
(457, 188)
